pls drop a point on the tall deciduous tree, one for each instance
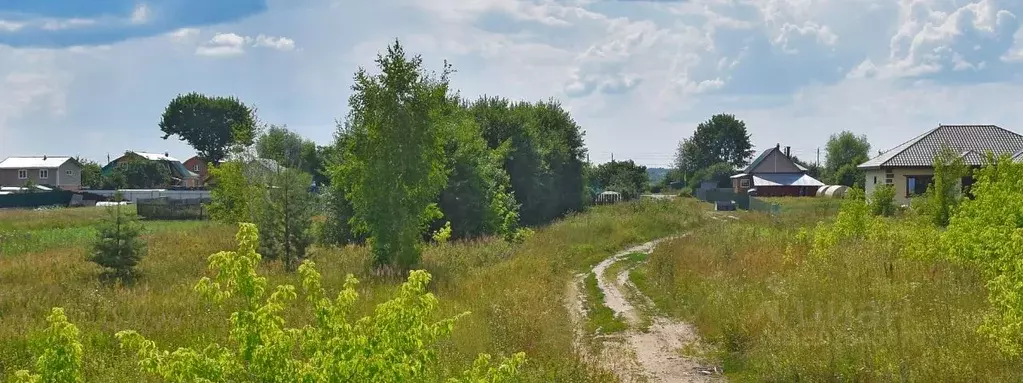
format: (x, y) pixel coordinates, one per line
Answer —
(845, 151)
(395, 169)
(543, 154)
(721, 139)
(210, 124)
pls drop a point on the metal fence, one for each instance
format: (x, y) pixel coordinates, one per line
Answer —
(742, 201)
(170, 208)
(134, 195)
(35, 199)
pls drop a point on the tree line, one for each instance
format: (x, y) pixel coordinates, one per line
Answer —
(412, 161)
(721, 146)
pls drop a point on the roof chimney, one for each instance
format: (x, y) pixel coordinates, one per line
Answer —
(788, 151)
(166, 154)
(44, 157)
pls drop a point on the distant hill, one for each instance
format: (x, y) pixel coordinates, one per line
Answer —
(656, 174)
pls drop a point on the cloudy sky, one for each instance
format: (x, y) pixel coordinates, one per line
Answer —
(92, 77)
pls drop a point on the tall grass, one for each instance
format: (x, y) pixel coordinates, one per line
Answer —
(857, 312)
(514, 291)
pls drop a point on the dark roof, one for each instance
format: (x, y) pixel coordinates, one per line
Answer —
(971, 141)
(764, 154)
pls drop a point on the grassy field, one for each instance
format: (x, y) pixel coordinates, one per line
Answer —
(859, 312)
(514, 291)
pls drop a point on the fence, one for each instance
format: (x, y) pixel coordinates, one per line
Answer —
(134, 195)
(169, 208)
(742, 201)
(35, 199)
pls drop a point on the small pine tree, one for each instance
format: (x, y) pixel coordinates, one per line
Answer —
(284, 215)
(118, 247)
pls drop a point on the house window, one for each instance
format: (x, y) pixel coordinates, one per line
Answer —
(917, 185)
(69, 172)
(44, 174)
(744, 183)
(195, 167)
(22, 174)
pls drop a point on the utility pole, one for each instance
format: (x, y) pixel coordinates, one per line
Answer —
(612, 156)
(818, 157)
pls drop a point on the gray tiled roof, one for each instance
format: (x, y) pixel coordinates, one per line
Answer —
(972, 141)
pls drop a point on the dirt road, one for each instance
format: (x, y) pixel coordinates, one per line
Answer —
(653, 354)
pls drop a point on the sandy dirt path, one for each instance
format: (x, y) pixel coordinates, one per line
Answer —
(653, 354)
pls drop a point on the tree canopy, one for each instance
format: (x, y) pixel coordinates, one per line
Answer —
(721, 139)
(210, 124)
(621, 176)
(846, 151)
(396, 167)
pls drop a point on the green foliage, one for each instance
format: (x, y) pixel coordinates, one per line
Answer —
(477, 200)
(622, 176)
(61, 360)
(117, 246)
(443, 234)
(91, 173)
(230, 193)
(395, 344)
(394, 163)
(210, 124)
(289, 149)
(137, 173)
(718, 173)
(283, 211)
(987, 232)
(721, 139)
(813, 169)
(845, 151)
(945, 191)
(542, 151)
(882, 201)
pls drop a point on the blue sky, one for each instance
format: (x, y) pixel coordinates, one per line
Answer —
(91, 78)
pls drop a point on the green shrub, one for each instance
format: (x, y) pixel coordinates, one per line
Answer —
(882, 201)
(61, 361)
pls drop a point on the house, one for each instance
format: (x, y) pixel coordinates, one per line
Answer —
(198, 166)
(909, 166)
(57, 171)
(180, 176)
(774, 174)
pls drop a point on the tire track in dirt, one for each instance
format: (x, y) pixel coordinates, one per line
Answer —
(636, 355)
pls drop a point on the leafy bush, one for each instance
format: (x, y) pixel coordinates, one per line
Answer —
(394, 344)
(986, 232)
(61, 361)
(944, 193)
(117, 246)
(230, 193)
(882, 201)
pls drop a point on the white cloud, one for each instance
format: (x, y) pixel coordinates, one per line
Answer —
(141, 14)
(10, 26)
(223, 44)
(637, 76)
(279, 43)
(60, 24)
